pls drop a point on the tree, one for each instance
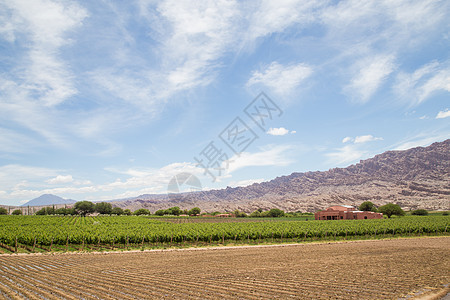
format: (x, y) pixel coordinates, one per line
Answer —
(419, 212)
(103, 208)
(16, 212)
(141, 211)
(84, 207)
(46, 211)
(194, 211)
(61, 211)
(117, 211)
(255, 214)
(367, 206)
(275, 213)
(160, 212)
(176, 211)
(239, 214)
(127, 212)
(391, 209)
(3, 211)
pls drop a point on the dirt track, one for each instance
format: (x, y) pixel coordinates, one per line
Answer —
(363, 270)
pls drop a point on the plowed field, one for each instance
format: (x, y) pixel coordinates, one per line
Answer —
(383, 269)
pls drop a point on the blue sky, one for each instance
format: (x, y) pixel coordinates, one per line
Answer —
(111, 99)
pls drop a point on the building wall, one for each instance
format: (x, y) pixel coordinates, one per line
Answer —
(331, 214)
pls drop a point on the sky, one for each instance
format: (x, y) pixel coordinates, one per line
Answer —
(104, 100)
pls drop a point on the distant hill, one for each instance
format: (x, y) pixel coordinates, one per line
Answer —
(48, 199)
(413, 178)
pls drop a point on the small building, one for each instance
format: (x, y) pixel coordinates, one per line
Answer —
(346, 212)
(225, 216)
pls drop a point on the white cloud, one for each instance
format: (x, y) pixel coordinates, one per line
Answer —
(280, 131)
(370, 75)
(45, 23)
(366, 138)
(14, 142)
(281, 79)
(347, 139)
(14, 176)
(418, 86)
(267, 17)
(60, 179)
(345, 155)
(421, 140)
(269, 156)
(246, 182)
(361, 139)
(443, 114)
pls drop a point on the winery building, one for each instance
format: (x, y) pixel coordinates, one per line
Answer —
(346, 212)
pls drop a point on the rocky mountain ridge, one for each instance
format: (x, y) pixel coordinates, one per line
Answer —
(413, 178)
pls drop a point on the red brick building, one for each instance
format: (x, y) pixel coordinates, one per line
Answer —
(345, 212)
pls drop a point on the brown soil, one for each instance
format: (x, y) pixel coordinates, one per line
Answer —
(388, 269)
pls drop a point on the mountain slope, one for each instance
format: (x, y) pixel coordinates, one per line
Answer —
(414, 178)
(48, 199)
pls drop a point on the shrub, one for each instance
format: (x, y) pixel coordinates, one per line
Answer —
(3, 211)
(17, 212)
(141, 211)
(419, 212)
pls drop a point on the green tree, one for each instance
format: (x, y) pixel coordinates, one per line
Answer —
(62, 211)
(194, 211)
(367, 206)
(117, 211)
(41, 212)
(45, 211)
(160, 212)
(276, 213)
(16, 212)
(84, 207)
(239, 214)
(391, 209)
(176, 211)
(141, 211)
(3, 211)
(419, 212)
(127, 212)
(103, 208)
(255, 214)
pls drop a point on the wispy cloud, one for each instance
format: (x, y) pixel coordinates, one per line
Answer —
(245, 182)
(45, 24)
(418, 86)
(345, 155)
(421, 140)
(361, 139)
(281, 79)
(60, 179)
(268, 156)
(370, 75)
(366, 138)
(443, 114)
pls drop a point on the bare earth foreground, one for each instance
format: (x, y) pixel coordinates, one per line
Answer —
(392, 269)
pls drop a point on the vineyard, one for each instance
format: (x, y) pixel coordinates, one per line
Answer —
(24, 234)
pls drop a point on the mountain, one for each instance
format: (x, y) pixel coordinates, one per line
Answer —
(414, 178)
(48, 199)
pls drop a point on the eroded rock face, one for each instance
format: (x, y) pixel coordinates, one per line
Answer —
(414, 178)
